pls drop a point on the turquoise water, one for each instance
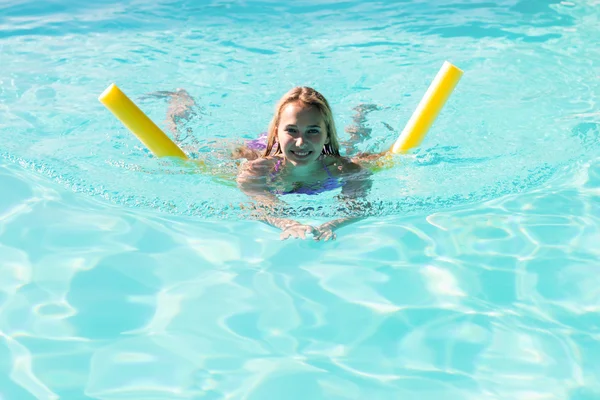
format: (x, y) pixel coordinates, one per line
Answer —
(475, 275)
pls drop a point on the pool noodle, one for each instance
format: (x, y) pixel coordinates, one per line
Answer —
(139, 124)
(428, 109)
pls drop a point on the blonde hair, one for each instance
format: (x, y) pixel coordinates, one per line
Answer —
(309, 97)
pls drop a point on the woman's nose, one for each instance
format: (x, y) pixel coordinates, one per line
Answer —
(299, 141)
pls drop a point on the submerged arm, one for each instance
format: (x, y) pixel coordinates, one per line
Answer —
(182, 108)
(252, 180)
(355, 189)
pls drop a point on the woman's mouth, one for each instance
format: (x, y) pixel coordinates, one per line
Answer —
(301, 153)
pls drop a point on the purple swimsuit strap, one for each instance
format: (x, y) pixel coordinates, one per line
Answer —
(276, 168)
(326, 169)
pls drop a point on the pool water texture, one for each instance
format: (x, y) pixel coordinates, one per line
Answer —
(474, 275)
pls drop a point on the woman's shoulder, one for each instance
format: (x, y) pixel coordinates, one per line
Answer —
(260, 165)
(253, 175)
(342, 166)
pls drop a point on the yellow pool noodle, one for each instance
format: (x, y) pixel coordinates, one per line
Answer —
(428, 109)
(139, 124)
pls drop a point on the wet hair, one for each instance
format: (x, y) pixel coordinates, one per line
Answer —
(308, 97)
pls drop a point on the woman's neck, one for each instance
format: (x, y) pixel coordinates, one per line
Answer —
(304, 171)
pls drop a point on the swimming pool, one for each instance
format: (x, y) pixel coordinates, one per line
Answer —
(473, 277)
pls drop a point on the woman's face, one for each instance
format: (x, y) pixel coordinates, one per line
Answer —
(301, 133)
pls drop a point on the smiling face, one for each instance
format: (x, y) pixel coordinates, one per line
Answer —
(301, 133)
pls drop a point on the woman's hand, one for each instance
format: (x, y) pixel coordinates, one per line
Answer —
(324, 232)
(296, 230)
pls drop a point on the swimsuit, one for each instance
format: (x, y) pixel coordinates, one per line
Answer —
(331, 183)
(259, 143)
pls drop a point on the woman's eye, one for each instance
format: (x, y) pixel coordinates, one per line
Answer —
(313, 131)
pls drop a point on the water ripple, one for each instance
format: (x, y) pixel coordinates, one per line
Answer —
(474, 277)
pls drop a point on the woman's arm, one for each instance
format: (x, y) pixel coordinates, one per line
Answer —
(182, 109)
(252, 180)
(357, 186)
